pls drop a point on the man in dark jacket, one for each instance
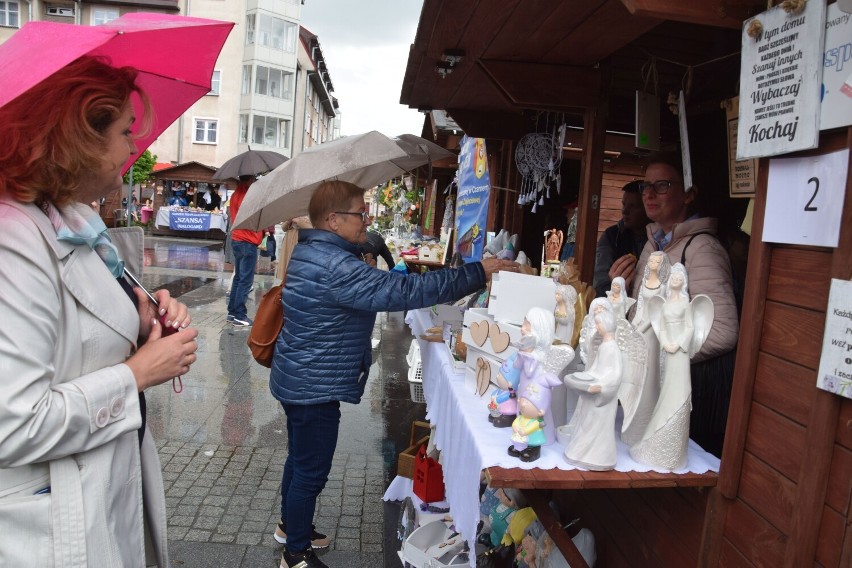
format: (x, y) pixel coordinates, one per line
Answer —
(620, 245)
(376, 247)
(324, 353)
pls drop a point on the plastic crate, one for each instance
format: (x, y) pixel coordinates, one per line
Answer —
(415, 382)
(413, 353)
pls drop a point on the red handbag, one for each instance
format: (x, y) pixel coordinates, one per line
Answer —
(428, 477)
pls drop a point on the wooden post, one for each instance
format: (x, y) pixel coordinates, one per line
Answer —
(591, 176)
(748, 344)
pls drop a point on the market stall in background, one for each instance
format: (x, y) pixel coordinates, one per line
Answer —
(188, 202)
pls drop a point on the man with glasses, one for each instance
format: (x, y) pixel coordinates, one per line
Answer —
(690, 239)
(324, 353)
(620, 245)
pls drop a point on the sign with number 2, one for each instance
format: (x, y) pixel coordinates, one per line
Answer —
(804, 199)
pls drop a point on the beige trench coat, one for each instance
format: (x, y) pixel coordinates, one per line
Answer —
(69, 409)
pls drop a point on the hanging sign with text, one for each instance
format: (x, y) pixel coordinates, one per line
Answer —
(472, 204)
(804, 199)
(780, 80)
(742, 174)
(835, 362)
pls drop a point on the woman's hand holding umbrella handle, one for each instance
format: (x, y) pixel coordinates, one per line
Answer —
(163, 358)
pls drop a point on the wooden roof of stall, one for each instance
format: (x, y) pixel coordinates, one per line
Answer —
(523, 56)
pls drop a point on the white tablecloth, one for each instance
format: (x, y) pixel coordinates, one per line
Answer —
(469, 443)
(163, 215)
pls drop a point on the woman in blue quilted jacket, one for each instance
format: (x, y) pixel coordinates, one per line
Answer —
(324, 352)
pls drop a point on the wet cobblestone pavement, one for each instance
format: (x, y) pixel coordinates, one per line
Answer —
(222, 441)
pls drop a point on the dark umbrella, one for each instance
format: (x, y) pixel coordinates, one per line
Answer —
(249, 163)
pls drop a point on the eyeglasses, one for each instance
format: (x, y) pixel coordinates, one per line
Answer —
(660, 187)
(365, 216)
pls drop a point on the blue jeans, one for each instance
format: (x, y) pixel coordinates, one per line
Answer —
(245, 261)
(311, 441)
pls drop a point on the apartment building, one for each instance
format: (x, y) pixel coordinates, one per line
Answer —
(271, 89)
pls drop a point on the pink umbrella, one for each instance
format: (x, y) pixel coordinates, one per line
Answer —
(174, 54)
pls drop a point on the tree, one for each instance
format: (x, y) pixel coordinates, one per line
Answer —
(142, 168)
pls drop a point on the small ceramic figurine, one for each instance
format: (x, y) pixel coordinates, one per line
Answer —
(530, 430)
(619, 299)
(496, 520)
(566, 298)
(681, 326)
(535, 382)
(503, 406)
(591, 432)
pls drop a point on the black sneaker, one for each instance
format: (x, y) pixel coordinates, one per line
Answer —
(318, 540)
(304, 559)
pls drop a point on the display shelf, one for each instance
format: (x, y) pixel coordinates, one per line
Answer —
(577, 479)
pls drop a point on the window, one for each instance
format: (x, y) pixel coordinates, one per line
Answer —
(9, 14)
(270, 31)
(273, 82)
(242, 136)
(250, 29)
(205, 130)
(215, 82)
(270, 131)
(285, 134)
(246, 88)
(103, 15)
(261, 80)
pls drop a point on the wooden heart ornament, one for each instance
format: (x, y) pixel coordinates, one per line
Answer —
(479, 332)
(483, 376)
(499, 339)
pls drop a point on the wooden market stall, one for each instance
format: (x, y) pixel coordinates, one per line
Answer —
(189, 180)
(782, 495)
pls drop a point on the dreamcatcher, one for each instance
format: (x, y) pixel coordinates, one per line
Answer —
(538, 156)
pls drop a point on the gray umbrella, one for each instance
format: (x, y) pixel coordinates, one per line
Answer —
(249, 163)
(363, 159)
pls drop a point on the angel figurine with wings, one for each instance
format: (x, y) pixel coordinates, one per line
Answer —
(639, 392)
(590, 440)
(681, 326)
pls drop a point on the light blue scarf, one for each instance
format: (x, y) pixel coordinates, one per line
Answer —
(80, 225)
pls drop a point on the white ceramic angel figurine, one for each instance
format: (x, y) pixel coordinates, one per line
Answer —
(682, 326)
(591, 432)
(566, 299)
(589, 339)
(619, 299)
(643, 401)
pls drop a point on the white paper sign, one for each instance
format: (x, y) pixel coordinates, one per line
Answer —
(804, 199)
(837, 70)
(835, 363)
(780, 78)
